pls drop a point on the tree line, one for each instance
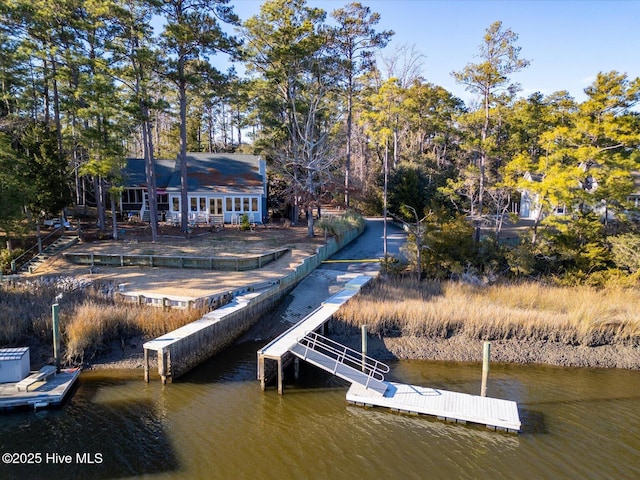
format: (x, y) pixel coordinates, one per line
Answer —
(84, 85)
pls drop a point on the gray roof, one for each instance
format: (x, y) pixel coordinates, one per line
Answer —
(7, 354)
(220, 173)
(206, 172)
(135, 175)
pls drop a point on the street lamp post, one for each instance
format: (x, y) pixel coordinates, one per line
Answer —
(386, 178)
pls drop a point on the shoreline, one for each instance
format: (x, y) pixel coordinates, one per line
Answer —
(457, 348)
(460, 348)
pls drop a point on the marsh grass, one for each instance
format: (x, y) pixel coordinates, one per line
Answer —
(338, 225)
(571, 315)
(92, 326)
(90, 319)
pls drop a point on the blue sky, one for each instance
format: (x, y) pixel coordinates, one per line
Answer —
(567, 42)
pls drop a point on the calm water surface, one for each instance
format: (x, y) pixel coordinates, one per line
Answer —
(216, 423)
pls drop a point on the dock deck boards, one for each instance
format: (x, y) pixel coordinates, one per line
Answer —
(283, 343)
(493, 412)
(51, 391)
(460, 407)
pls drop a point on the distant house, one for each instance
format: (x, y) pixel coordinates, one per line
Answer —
(221, 187)
(530, 201)
(134, 199)
(634, 197)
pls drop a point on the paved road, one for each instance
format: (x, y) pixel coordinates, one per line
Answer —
(369, 245)
(330, 277)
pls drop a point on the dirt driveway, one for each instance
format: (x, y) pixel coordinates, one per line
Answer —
(190, 283)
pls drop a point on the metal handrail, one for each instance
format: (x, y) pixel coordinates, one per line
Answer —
(344, 355)
(42, 242)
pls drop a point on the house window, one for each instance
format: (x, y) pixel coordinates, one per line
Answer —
(229, 205)
(175, 204)
(254, 204)
(132, 196)
(203, 204)
(245, 204)
(237, 204)
(194, 204)
(215, 206)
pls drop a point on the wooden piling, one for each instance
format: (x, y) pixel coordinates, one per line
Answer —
(364, 347)
(146, 365)
(486, 351)
(261, 373)
(280, 377)
(56, 334)
(162, 359)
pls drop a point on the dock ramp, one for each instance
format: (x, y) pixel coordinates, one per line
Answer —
(296, 342)
(367, 375)
(342, 361)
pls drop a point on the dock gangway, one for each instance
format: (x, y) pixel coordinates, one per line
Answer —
(342, 361)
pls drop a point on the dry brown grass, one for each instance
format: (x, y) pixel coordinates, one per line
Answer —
(576, 315)
(90, 320)
(91, 326)
(25, 310)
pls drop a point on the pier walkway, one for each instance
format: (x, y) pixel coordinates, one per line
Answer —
(285, 347)
(366, 375)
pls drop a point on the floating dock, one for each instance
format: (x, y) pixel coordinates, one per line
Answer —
(40, 389)
(445, 405)
(366, 375)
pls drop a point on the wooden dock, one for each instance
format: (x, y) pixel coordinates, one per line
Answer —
(366, 375)
(445, 405)
(281, 348)
(40, 389)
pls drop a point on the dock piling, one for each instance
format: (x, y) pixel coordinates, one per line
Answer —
(146, 365)
(486, 351)
(364, 347)
(56, 334)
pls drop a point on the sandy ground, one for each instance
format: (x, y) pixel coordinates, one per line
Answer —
(189, 283)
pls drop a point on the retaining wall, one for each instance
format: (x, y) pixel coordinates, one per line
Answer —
(181, 350)
(238, 264)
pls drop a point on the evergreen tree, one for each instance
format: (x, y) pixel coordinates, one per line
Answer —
(490, 81)
(355, 40)
(192, 32)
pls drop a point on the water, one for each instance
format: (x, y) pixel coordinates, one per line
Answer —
(216, 423)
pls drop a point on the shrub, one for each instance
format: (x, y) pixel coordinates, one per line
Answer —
(244, 222)
(6, 257)
(626, 251)
(338, 225)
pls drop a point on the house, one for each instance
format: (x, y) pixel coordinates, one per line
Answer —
(530, 201)
(221, 187)
(134, 199)
(634, 197)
